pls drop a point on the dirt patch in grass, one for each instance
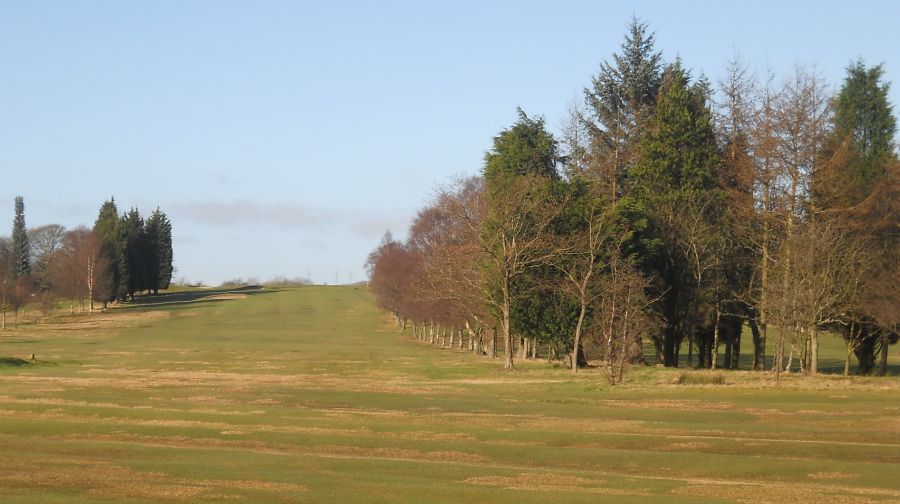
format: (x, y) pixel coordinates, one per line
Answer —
(110, 481)
(236, 382)
(398, 454)
(781, 493)
(833, 475)
(550, 482)
(510, 442)
(223, 297)
(115, 318)
(99, 479)
(680, 405)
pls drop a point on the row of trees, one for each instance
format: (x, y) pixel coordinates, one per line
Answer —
(669, 212)
(118, 257)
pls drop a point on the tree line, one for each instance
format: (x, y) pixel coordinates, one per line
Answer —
(117, 258)
(670, 212)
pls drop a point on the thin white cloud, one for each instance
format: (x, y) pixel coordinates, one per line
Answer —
(364, 223)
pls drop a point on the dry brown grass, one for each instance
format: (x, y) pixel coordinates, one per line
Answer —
(551, 482)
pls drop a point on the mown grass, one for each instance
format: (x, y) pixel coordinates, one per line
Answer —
(310, 395)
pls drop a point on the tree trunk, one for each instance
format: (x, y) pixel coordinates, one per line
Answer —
(790, 361)
(736, 345)
(850, 347)
(494, 343)
(813, 350)
(759, 347)
(715, 346)
(882, 365)
(779, 353)
(759, 334)
(726, 362)
(847, 360)
(690, 351)
(507, 333)
(669, 353)
(577, 340)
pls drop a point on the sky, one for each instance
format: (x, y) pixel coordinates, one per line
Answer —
(283, 138)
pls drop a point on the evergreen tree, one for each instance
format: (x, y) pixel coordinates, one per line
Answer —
(20, 249)
(621, 102)
(520, 175)
(133, 251)
(679, 155)
(675, 183)
(158, 230)
(526, 148)
(857, 191)
(107, 228)
(861, 143)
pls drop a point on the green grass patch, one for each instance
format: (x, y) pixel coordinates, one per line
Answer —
(701, 378)
(310, 394)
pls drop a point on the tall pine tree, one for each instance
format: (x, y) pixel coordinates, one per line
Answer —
(107, 228)
(520, 173)
(675, 182)
(857, 189)
(621, 102)
(20, 248)
(158, 230)
(133, 251)
(861, 144)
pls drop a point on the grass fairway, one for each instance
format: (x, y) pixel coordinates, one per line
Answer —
(309, 395)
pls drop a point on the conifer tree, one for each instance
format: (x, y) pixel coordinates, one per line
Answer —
(133, 251)
(620, 103)
(20, 248)
(526, 148)
(861, 144)
(107, 228)
(673, 184)
(158, 230)
(856, 189)
(522, 202)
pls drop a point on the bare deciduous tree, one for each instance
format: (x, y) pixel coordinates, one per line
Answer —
(513, 237)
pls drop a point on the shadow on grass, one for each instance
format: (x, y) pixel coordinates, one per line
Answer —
(13, 362)
(193, 297)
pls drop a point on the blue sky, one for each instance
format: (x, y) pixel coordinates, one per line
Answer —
(284, 138)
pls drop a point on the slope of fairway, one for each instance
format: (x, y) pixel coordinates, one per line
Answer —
(310, 395)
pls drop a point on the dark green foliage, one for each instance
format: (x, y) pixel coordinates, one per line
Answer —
(139, 255)
(159, 240)
(541, 311)
(621, 100)
(20, 250)
(526, 148)
(134, 251)
(857, 189)
(679, 153)
(863, 118)
(107, 227)
(107, 223)
(678, 172)
(861, 145)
